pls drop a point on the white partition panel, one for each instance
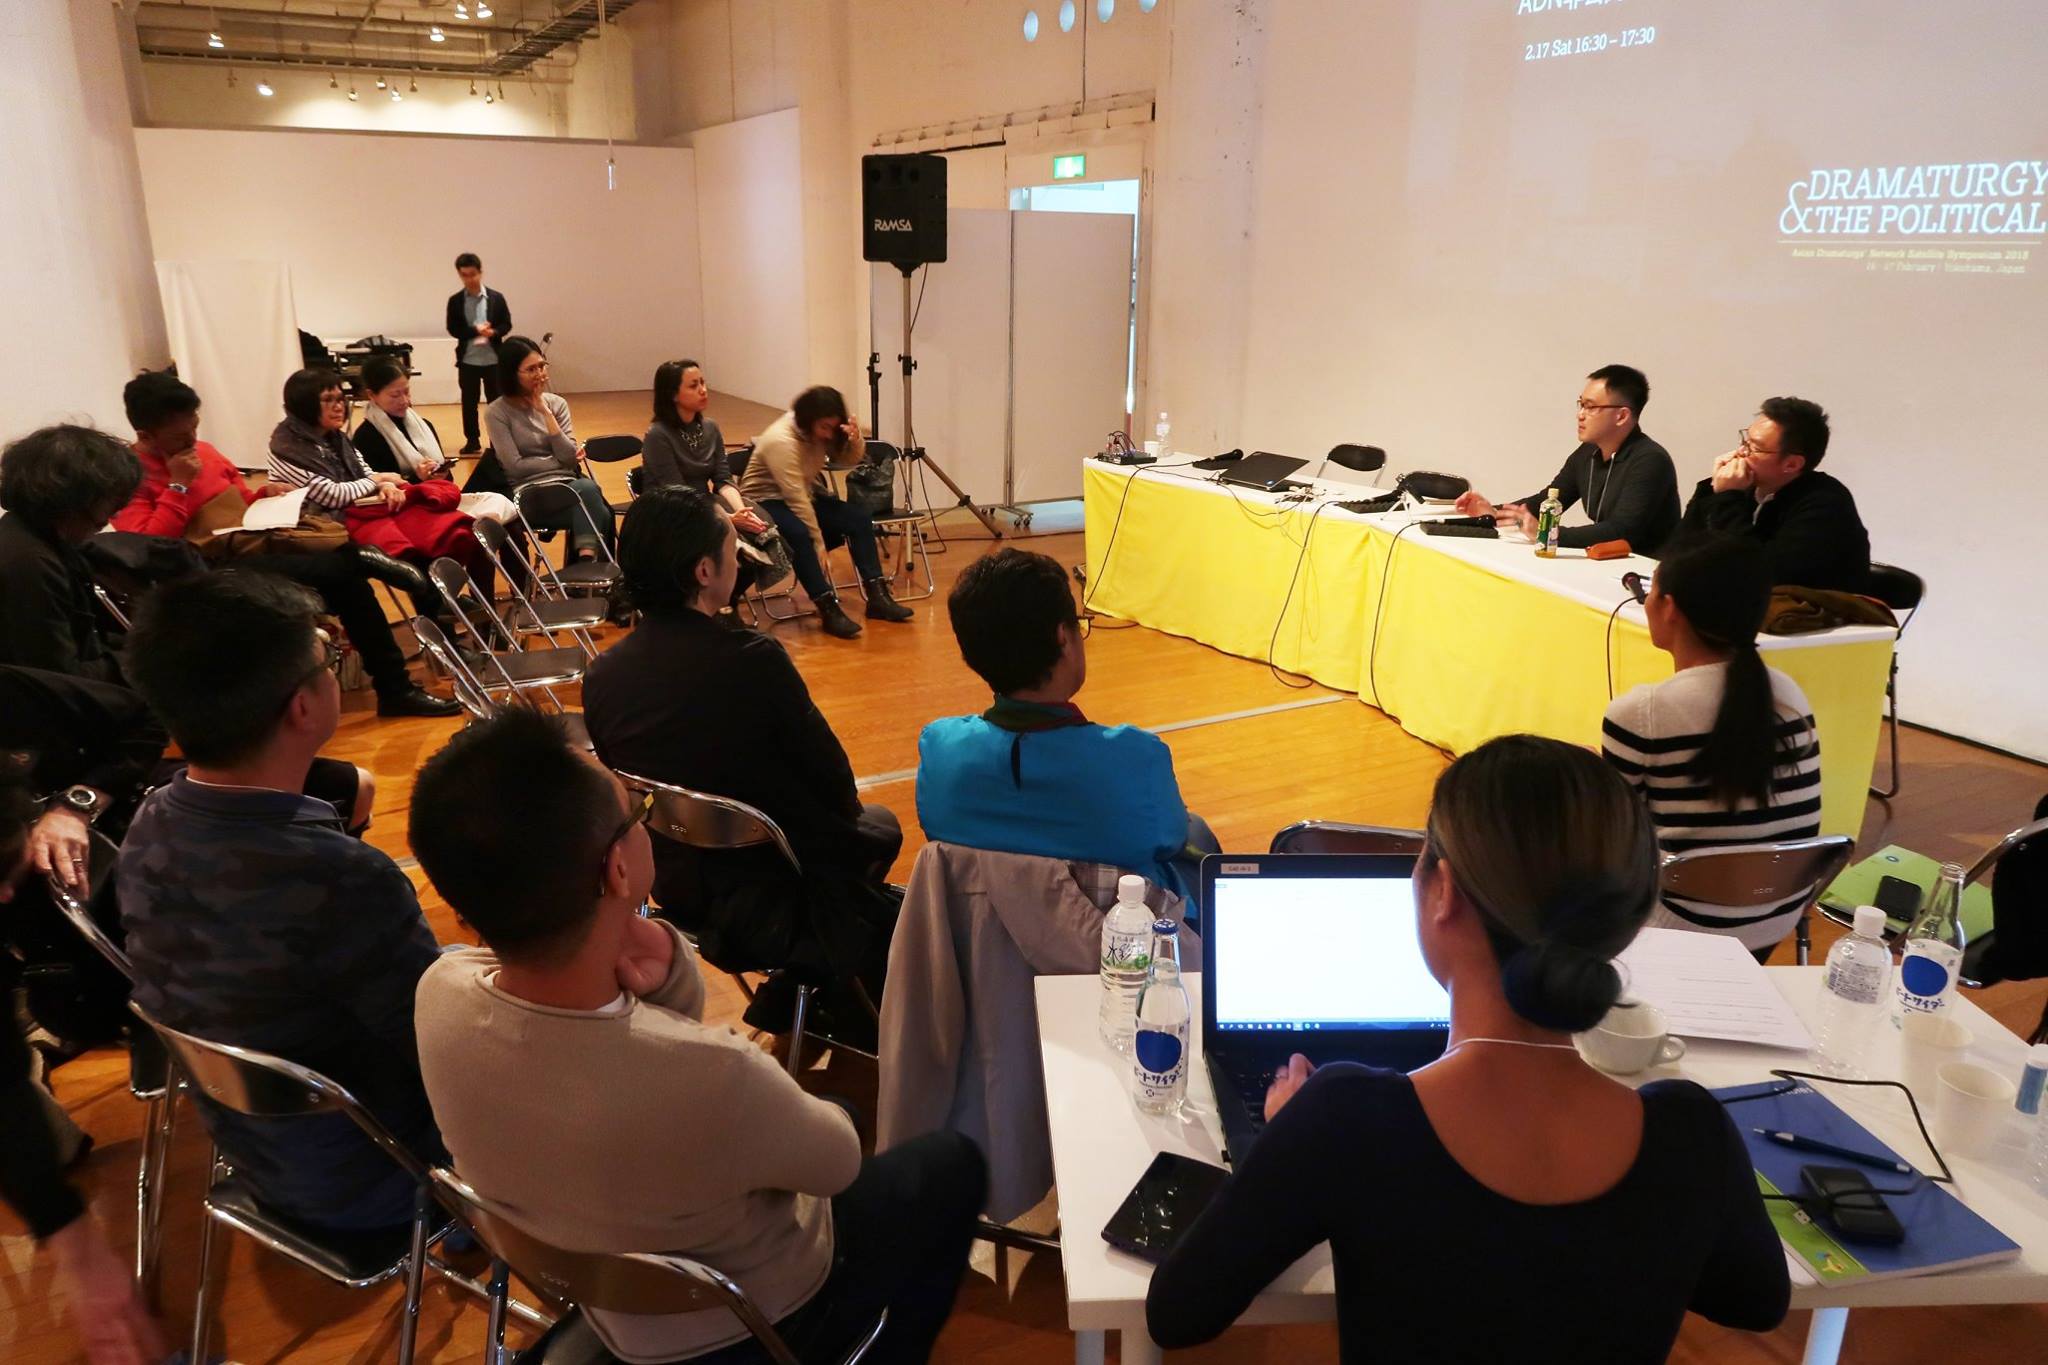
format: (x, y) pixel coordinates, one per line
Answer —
(234, 335)
(750, 223)
(1070, 343)
(962, 340)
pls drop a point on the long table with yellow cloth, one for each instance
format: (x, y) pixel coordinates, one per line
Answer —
(1457, 639)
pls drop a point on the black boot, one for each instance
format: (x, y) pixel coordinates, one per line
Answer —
(413, 700)
(833, 617)
(882, 606)
(400, 575)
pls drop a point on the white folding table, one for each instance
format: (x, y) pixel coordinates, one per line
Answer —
(1101, 1144)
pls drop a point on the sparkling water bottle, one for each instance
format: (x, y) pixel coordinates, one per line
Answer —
(1853, 995)
(1159, 1051)
(1163, 430)
(1126, 954)
(1934, 949)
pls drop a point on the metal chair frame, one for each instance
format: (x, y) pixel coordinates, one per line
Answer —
(576, 615)
(1891, 684)
(261, 1085)
(519, 670)
(147, 1058)
(712, 823)
(1761, 874)
(599, 574)
(620, 1281)
(470, 691)
(1332, 836)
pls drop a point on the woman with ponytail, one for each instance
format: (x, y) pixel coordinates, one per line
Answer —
(1724, 752)
(1507, 1201)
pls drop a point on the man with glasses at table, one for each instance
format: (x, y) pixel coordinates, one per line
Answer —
(1770, 489)
(1625, 479)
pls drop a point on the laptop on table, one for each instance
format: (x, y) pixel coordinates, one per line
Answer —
(1262, 469)
(1310, 953)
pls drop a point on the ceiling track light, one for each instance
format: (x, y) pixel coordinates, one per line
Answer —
(263, 89)
(412, 87)
(395, 96)
(382, 84)
(333, 81)
(483, 11)
(434, 35)
(487, 96)
(213, 39)
(472, 85)
(501, 89)
(461, 10)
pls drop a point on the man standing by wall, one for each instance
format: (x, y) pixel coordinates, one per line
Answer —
(476, 318)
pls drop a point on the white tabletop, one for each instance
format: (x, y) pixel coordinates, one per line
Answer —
(1594, 582)
(1101, 1144)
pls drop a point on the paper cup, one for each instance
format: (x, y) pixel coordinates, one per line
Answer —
(1152, 448)
(1970, 1104)
(1926, 1043)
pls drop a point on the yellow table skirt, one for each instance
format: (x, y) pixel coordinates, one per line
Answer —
(1465, 653)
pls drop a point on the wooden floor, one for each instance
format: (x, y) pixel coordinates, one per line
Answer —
(1252, 754)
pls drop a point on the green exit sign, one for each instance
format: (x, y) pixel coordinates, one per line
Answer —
(1069, 167)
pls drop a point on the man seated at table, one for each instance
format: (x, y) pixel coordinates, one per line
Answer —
(252, 917)
(578, 1084)
(1031, 774)
(1770, 489)
(1625, 479)
(689, 700)
(786, 479)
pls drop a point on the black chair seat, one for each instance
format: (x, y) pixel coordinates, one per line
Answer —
(611, 449)
(600, 572)
(535, 668)
(1899, 589)
(351, 1258)
(553, 615)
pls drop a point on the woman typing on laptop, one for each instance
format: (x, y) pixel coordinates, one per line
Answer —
(1506, 1201)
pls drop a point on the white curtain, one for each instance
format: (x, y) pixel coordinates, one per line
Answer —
(235, 336)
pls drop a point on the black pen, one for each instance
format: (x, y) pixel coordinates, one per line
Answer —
(1807, 1144)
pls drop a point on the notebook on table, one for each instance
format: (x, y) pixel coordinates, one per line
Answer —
(1942, 1233)
(1310, 953)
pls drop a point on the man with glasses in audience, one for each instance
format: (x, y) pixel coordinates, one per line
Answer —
(253, 918)
(1625, 479)
(1770, 489)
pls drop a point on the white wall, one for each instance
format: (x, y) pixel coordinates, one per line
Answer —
(750, 226)
(83, 311)
(372, 230)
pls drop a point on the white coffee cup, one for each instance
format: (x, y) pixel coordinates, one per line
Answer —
(1927, 1042)
(1633, 1037)
(1970, 1105)
(1152, 448)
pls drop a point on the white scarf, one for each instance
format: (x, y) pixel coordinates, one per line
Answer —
(414, 446)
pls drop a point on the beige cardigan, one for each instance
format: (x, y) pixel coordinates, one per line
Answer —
(643, 1130)
(959, 1038)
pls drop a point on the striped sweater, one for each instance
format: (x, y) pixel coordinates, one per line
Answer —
(321, 462)
(1652, 735)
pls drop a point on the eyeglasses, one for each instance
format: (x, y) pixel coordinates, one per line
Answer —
(641, 810)
(1745, 446)
(1584, 406)
(330, 658)
(335, 400)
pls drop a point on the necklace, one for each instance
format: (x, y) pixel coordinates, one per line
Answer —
(1508, 1042)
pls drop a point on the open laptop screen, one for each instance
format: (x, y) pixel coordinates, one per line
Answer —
(1333, 951)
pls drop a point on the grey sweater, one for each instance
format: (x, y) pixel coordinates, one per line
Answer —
(525, 448)
(693, 455)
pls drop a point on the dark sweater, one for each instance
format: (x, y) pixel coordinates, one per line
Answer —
(254, 919)
(1811, 534)
(47, 618)
(665, 455)
(1433, 1266)
(1633, 497)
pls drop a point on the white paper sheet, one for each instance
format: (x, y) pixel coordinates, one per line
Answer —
(273, 514)
(1710, 987)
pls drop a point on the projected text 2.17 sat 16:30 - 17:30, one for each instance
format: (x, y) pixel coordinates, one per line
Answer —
(1588, 43)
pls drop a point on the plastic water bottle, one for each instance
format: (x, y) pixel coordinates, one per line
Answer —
(1934, 949)
(1126, 956)
(1548, 515)
(1853, 995)
(1163, 430)
(1159, 1049)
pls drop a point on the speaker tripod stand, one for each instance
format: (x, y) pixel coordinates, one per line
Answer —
(914, 454)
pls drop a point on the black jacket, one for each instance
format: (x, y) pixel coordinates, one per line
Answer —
(1811, 534)
(688, 700)
(1633, 497)
(79, 731)
(47, 617)
(496, 311)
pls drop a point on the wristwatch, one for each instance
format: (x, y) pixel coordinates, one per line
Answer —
(82, 800)
(178, 488)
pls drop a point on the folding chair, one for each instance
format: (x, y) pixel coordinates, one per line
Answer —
(614, 1281)
(577, 615)
(1753, 875)
(260, 1085)
(475, 697)
(906, 526)
(1902, 591)
(713, 824)
(550, 500)
(1331, 836)
(150, 1078)
(518, 670)
(611, 450)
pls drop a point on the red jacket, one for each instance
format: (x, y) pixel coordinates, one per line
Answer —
(158, 510)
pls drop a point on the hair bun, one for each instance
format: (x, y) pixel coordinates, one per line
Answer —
(1560, 986)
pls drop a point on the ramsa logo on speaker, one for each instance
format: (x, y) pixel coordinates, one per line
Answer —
(893, 225)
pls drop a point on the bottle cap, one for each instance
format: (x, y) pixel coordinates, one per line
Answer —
(1870, 921)
(1164, 928)
(1130, 890)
